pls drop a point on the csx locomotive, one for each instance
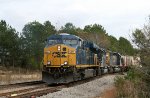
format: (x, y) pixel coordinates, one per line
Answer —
(69, 58)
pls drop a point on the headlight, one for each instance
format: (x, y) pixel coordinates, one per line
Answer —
(65, 63)
(58, 48)
(48, 52)
(48, 63)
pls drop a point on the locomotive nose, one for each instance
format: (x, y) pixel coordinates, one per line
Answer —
(60, 55)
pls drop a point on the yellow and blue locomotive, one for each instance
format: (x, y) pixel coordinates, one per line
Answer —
(69, 58)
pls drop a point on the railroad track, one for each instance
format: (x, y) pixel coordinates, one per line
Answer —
(40, 89)
(27, 93)
(15, 89)
(17, 85)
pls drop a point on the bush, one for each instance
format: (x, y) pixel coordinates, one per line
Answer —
(132, 85)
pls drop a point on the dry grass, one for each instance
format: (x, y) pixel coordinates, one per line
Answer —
(17, 78)
(18, 75)
(111, 93)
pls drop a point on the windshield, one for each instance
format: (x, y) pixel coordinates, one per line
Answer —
(70, 42)
(53, 42)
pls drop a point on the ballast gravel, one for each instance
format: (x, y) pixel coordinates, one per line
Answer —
(86, 90)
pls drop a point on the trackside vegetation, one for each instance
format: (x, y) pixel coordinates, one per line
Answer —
(136, 84)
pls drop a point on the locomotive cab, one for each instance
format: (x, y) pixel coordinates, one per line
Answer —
(60, 50)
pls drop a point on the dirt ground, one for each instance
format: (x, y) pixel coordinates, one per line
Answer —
(111, 93)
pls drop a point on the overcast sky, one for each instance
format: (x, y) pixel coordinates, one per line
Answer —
(118, 17)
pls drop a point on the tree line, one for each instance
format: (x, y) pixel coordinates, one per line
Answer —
(25, 49)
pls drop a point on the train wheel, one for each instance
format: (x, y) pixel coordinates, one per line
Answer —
(97, 71)
(113, 70)
(110, 69)
(94, 72)
(102, 70)
(82, 74)
(76, 75)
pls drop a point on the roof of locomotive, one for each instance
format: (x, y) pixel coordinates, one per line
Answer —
(117, 53)
(63, 36)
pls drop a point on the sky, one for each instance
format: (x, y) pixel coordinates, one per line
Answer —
(118, 17)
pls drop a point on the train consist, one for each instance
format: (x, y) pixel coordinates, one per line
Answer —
(69, 58)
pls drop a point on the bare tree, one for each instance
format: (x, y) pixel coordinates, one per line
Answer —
(100, 39)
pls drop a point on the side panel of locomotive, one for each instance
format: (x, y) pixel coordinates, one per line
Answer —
(89, 54)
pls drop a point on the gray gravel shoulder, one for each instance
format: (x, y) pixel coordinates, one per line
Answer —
(87, 90)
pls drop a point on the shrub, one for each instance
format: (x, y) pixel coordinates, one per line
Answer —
(132, 85)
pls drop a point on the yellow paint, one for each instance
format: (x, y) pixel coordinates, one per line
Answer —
(108, 58)
(85, 66)
(13, 95)
(57, 56)
(77, 66)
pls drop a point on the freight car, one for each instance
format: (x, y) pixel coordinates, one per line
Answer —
(127, 61)
(69, 58)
